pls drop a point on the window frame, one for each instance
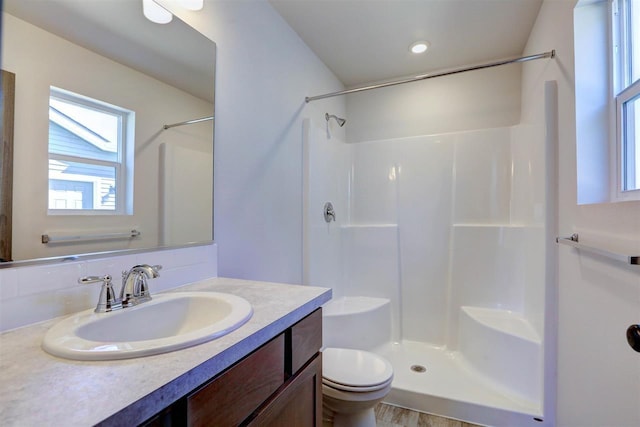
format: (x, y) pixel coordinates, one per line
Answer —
(623, 90)
(622, 126)
(123, 165)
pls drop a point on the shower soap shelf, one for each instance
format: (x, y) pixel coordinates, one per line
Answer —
(573, 241)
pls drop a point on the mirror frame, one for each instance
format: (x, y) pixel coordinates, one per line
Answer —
(7, 102)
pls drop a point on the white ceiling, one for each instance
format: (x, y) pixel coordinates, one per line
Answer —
(364, 41)
(174, 53)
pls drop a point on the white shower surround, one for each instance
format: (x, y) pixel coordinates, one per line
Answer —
(451, 229)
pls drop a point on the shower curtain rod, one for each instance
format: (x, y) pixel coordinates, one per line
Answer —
(550, 54)
(188, 122)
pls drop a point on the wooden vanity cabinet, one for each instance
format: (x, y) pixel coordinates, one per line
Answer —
(279, 384)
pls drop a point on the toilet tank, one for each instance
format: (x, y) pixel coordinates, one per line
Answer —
(362, 323)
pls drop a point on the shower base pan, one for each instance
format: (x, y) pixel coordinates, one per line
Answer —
(430, 379)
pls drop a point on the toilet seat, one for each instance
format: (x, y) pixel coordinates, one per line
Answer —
(343, 387)
(355, 370)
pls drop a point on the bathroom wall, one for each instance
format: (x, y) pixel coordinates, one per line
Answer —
(264, 71)
(467, 101)
(598, 374)
(326, 161)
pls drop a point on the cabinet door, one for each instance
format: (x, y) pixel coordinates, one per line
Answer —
(299, 403)
(239, 391)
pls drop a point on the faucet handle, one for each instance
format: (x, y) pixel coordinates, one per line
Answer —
(329, 213)
(94, 279)
(107, 301)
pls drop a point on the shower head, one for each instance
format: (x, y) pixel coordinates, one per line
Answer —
(340, 121)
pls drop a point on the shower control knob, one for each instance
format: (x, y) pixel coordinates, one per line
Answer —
(633, 337)
(329, 213)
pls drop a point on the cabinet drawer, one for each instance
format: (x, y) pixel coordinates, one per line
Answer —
(306, 340)
(239, 391)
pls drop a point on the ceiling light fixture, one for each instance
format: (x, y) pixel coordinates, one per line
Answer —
(419, 47)
(156, 13)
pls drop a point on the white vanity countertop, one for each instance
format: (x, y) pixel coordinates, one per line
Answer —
(39, 389)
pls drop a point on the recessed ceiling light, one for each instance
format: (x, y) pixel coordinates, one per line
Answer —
(419, 47)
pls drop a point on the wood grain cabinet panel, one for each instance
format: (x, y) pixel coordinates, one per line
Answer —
(298, 403)
(305, 340)
(7, 105)
(239, 391)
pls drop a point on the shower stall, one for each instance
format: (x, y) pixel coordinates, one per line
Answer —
(455, 233)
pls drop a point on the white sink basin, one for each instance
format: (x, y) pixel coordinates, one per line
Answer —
(168, 322)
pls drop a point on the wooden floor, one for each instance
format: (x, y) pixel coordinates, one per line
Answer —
(393, 416)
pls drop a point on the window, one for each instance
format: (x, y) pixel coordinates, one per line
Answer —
(626, 83)
(90, 144)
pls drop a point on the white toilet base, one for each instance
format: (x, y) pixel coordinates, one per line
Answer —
(342, 412)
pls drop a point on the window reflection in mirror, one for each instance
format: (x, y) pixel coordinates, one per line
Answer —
(88, 155)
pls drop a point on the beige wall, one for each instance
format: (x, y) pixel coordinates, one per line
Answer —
(469, 101)
(263, 73)
(598, 374)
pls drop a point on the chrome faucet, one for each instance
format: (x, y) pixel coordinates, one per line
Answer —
(134, 288)
(134, 284)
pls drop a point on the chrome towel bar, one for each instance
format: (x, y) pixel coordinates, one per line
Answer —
(574, 241)
(46, 238)
(188, 122)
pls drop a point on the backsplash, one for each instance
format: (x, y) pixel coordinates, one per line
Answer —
(31, 294)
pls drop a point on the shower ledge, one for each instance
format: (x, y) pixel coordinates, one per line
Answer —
(505, 321)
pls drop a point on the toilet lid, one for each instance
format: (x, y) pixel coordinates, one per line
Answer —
(355, 368)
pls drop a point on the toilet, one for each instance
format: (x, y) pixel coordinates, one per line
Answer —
(353, 383)
(354, 380)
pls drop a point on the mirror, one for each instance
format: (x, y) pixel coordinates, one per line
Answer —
(163, 73)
